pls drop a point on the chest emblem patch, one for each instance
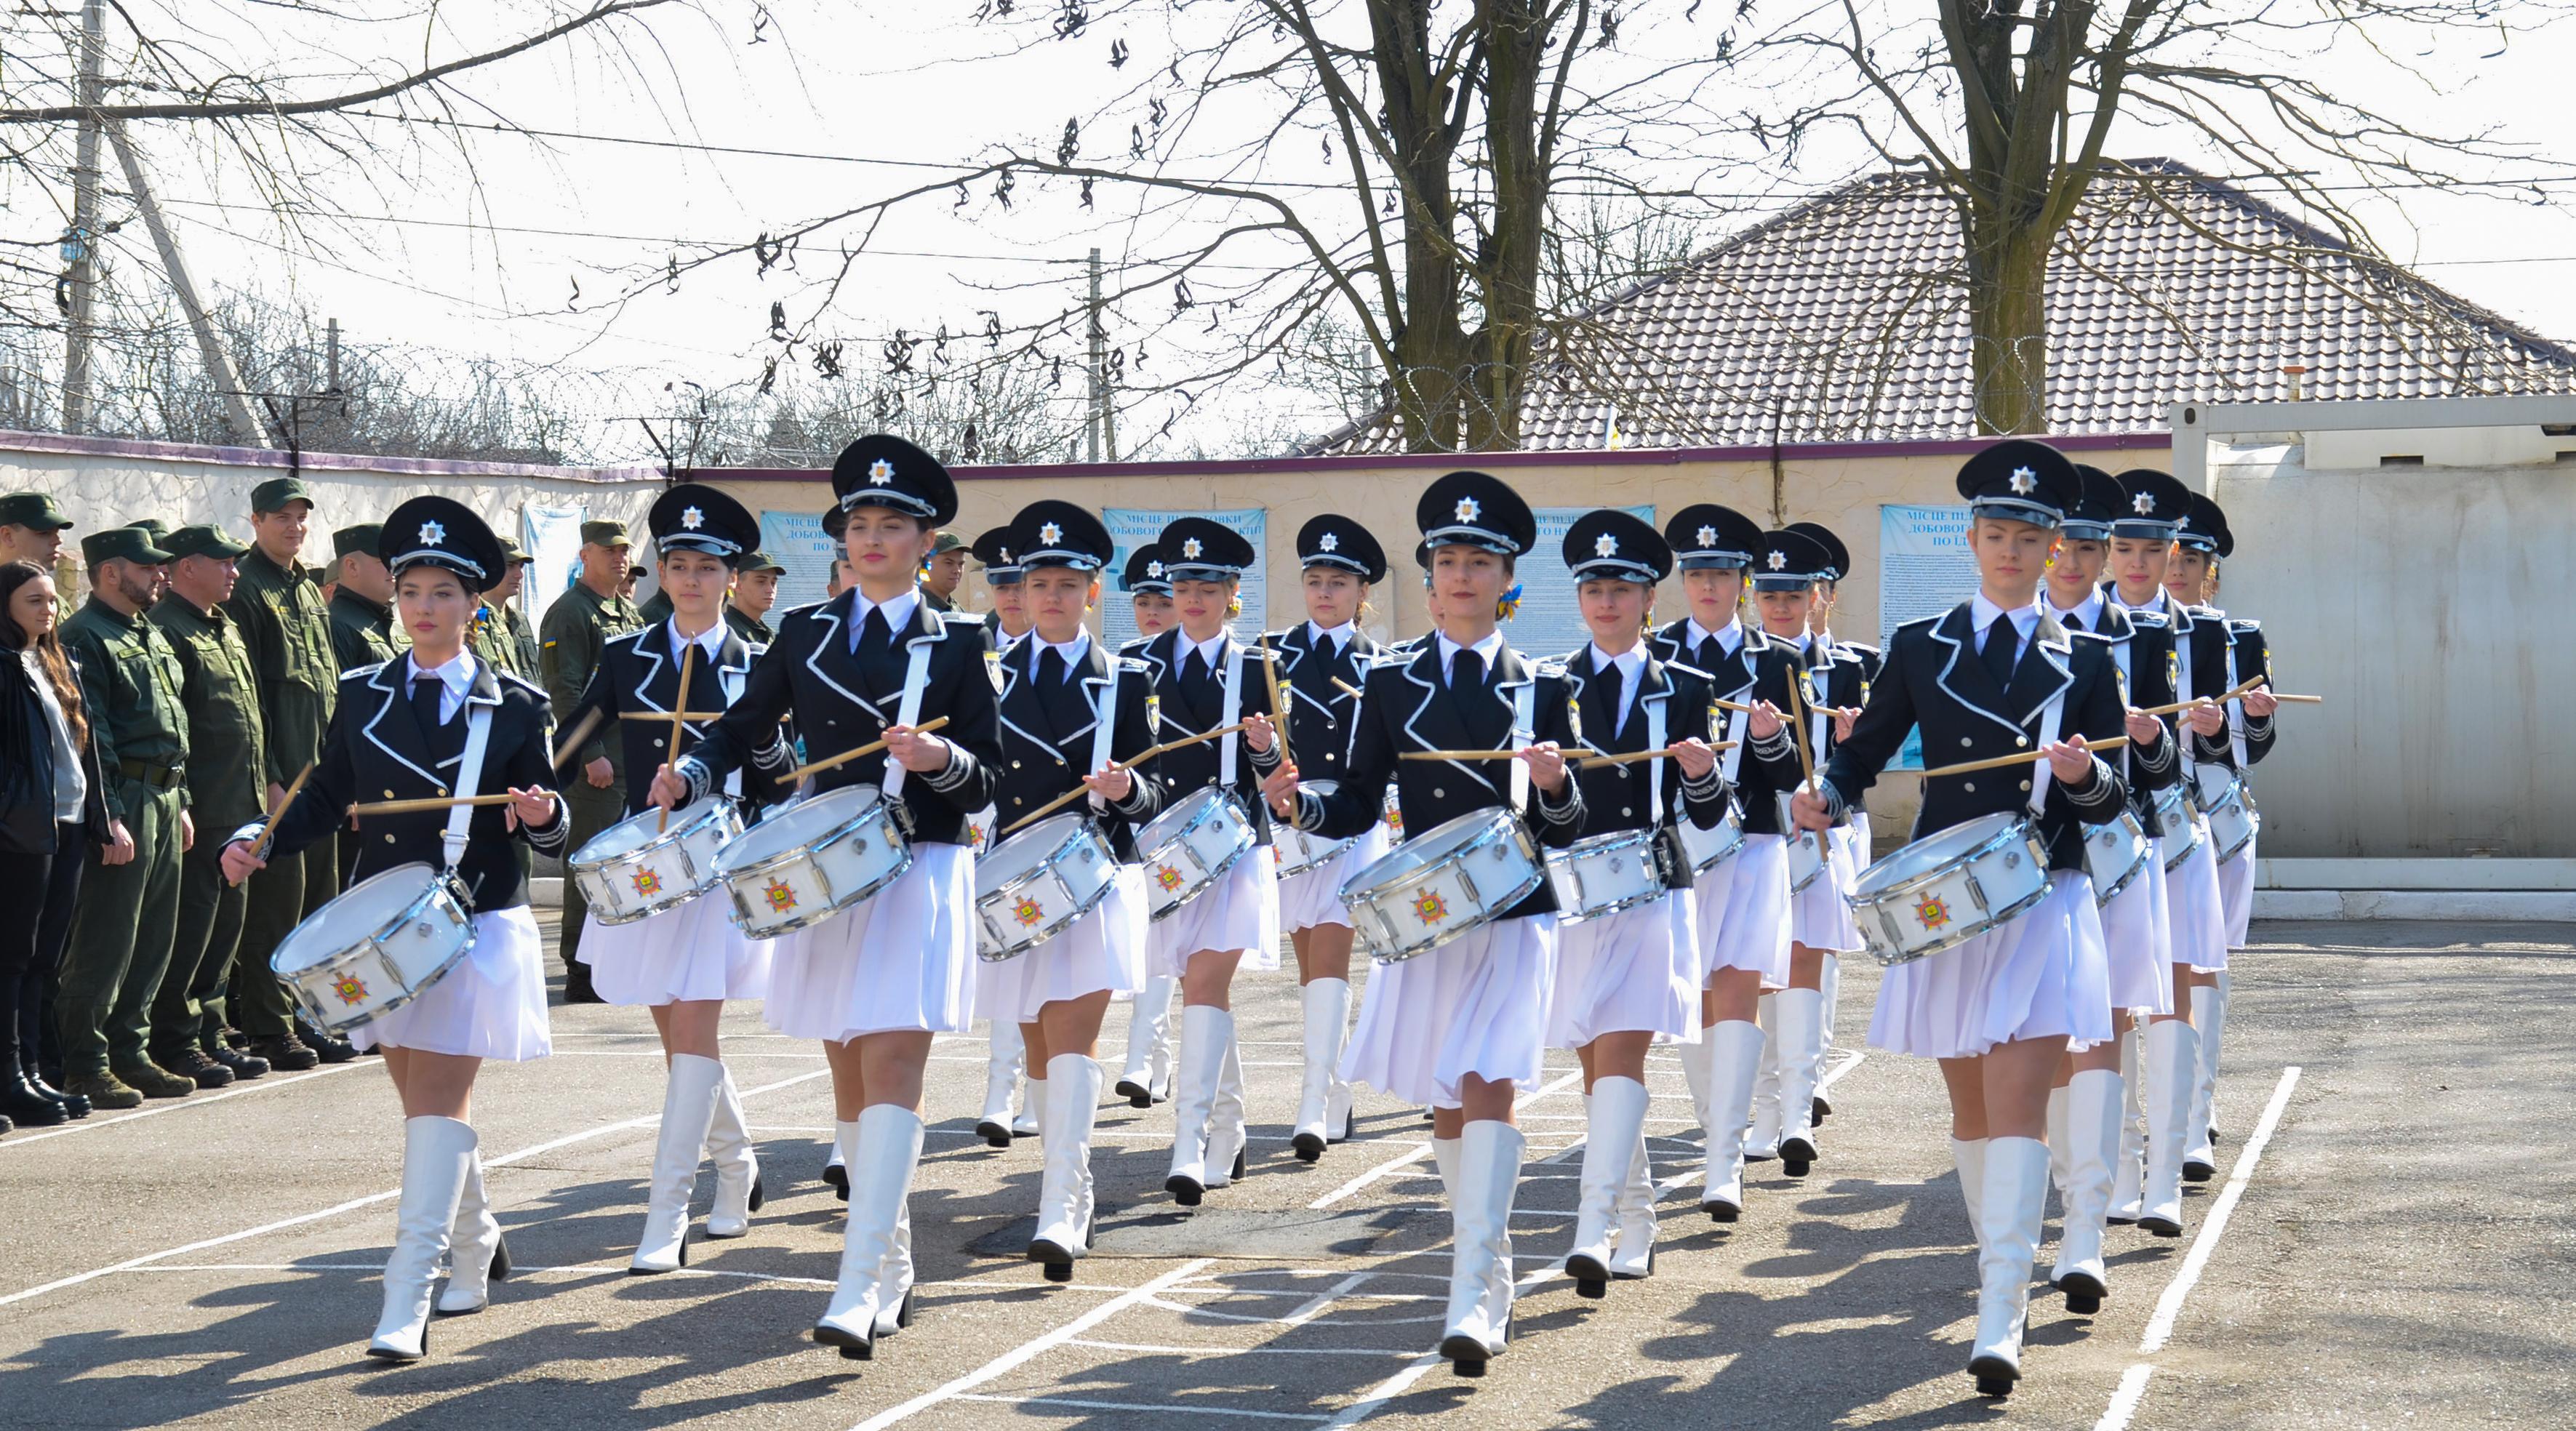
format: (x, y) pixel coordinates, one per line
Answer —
(1931, 912)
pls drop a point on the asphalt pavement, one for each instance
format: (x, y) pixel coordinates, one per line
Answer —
(2387, 1244)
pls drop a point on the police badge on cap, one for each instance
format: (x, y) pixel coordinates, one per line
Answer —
(1334, 540)
(2098, 499)
(2204, 528)
(993, 551)
(1611, 545)
(1706, 536)
(1055, 533)
(2020, 481)
(2152, 503)
(695, 517)
(444, 533)
(1197, 549)
(1789, 561)
(1145, 575)
(1472, 509)
(883, 470)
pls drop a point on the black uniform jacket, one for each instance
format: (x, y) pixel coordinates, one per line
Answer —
(843, 699)
(1615, 797)
(2252, 656)
(1047, 733)
(1934, 678)
(1320, 713)
(1182, 713)
(2200, 642)
(2142, 648)
(1758, 671)
(374, 749)
(1407, 705)
(637, 676)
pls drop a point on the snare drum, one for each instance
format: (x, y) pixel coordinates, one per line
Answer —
(631, 869)
(1946, 889)
(2182, 829)
(1298, 851)
(1806, 849)
(1705, 850)
(1192, 845)
(2116, 854)
(811, 859)
(1597, 877)
(1455, 878)
(377, 947)
(2233, 820)
(1039, 884)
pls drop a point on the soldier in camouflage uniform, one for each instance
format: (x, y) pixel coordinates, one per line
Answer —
(362, 603)
(576, 626)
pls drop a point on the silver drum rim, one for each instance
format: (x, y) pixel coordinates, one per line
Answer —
(876, 813)
(1013, 950)
(1644, 839)
(1503, 828)
(1207, 811)
(1867, 905)
(374, 943)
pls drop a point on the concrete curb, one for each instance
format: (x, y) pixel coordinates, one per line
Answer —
(2464, 904)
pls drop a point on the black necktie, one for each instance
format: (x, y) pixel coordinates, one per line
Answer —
(1467, 670)
(1710, 653)
(2002, 645)
(874, 634)
(1051, 668)
(1612, 683)
(425, 692)
(2071, 621)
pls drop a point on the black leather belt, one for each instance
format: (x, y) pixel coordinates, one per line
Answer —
(156, 776)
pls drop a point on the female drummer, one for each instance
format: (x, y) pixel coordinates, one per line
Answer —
(876, 981)
(1629, 979)
(1786, 569)
(434, 723)
(1319, 665)
(1995, 678)
(1854, 836)
(1004, 1060)
(1459, 1028)
(1064, 729)
(1204, 679)
(686, 961)
(2084, 1108)
(1147, 1078)
(1741, 904)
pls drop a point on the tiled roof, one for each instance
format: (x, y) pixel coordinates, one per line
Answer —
(1845, 319)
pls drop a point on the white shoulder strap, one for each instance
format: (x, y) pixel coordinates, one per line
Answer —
(1524, 730)
(1106, 731)
(2049, 716)
(1226, 746)
(1655, 767)
(469, 775)
(732, 683)
(916, 675)
(2235, 708)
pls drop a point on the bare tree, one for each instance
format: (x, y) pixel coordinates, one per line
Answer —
(2007, 105)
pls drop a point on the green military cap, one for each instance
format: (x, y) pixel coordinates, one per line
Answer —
(33, 510)
(513, 553)
(758, 561)
(205, 540)
(152, 527)
(359, 540)
(946, 541)
(604, 534)
(127, 543)
(273, 494)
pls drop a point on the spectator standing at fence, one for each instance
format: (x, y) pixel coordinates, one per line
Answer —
(580, 622)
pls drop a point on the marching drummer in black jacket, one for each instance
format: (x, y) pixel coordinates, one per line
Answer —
(1714, 546)
(2224, 653)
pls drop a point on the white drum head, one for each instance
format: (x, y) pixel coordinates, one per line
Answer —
(1023, 852)
(353, 917)
(1933, 851)
(796, 826)
(640, 829)
(1180, 816)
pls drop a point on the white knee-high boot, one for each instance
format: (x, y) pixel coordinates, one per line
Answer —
(894, 1280)
(1735, 1061)
(2173, 1058)
(1968, 1155)
(1064, 1192)
(1632, 1257)
(1444, 1159)
(1832, 985)
(2011, 1206)
(1006, 1057)
(2093, 1140)
(738, 1190)
(1801, 1029)
(1480, 1265)
(2056, 1125)
(2208, 1019)
(688, 1108)
(1147, 1078)
(882, 1148)
(1616, 1124)
(2129, 1168)
(438, 1156)
(477, 1254)
(1207, 1036)
(1762, 1143)
(1328, 1013)
(1229, 1132)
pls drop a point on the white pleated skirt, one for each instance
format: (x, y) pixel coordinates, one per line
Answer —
(1315, 897)
(1475, 1005)
(1744, 911)
(2195, 911)
(1239, 911)
(902, 960)
(2044, 974)
(1637, 971)
(491, 1005)
(690, 951)
(1820, 915)
(2236, 893)
(1104, 952)
(2136, 933)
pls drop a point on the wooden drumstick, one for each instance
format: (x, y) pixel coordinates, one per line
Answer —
(1347, 688)
(1595, 762)
(2198, 702)
(2018, 758)
(429, 802)
(580, 732)
(845, 757)
(1457, 754)
(1798, 719)
(268, 832)
(1129, 763)
(1278, 700)
(2297, 700)
(679, 724)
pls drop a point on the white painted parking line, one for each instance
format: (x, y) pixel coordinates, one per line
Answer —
(2124, 1402)
(1423, 1149)
(1034, 1347)
(1394, 1386)
(2213, 1223)
(1186, 1408)
(651, 1120)
(261, 1084)
(1149, 1349)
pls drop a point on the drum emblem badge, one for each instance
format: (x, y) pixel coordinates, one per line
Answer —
(648, 883)
(1028, 912)
(1429, 907)
(1168, 877)
(781, 898)
(350, 988)
(1931, 911)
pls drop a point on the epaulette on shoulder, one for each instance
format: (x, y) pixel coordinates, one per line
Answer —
(2243, 623)
(364, 673)
(1132, 647)
(514, 678)
(2150, 618)
(1131, 665)
(961, 618)
(1923, 624)
(806, 611)
(1861, 647)
(2096, 637)
(631, 638)
(1552, 666)
(1694, 672)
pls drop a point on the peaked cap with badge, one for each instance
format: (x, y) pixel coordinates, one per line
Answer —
(696, 517)
(883, 470)
(1334, 540)
(1705, 536)
(1612, 545)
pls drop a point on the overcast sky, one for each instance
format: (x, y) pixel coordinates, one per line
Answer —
(517, 254)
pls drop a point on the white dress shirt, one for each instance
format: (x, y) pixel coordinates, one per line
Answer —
(898, 612)
(1488, 648)
(1328, 639)
(2090, 613)
(454, 679)
(1982, 614)
(1729, 638)
(1631, 665)
(1069, 652)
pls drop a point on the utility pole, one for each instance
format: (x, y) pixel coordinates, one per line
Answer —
(80, 246)
(220, 375)
(1099, 338)
(331, 358)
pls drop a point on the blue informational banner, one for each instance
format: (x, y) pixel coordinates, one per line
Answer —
(796, 541)
(1133, 527)
(1925, 567)
(1550, 622)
